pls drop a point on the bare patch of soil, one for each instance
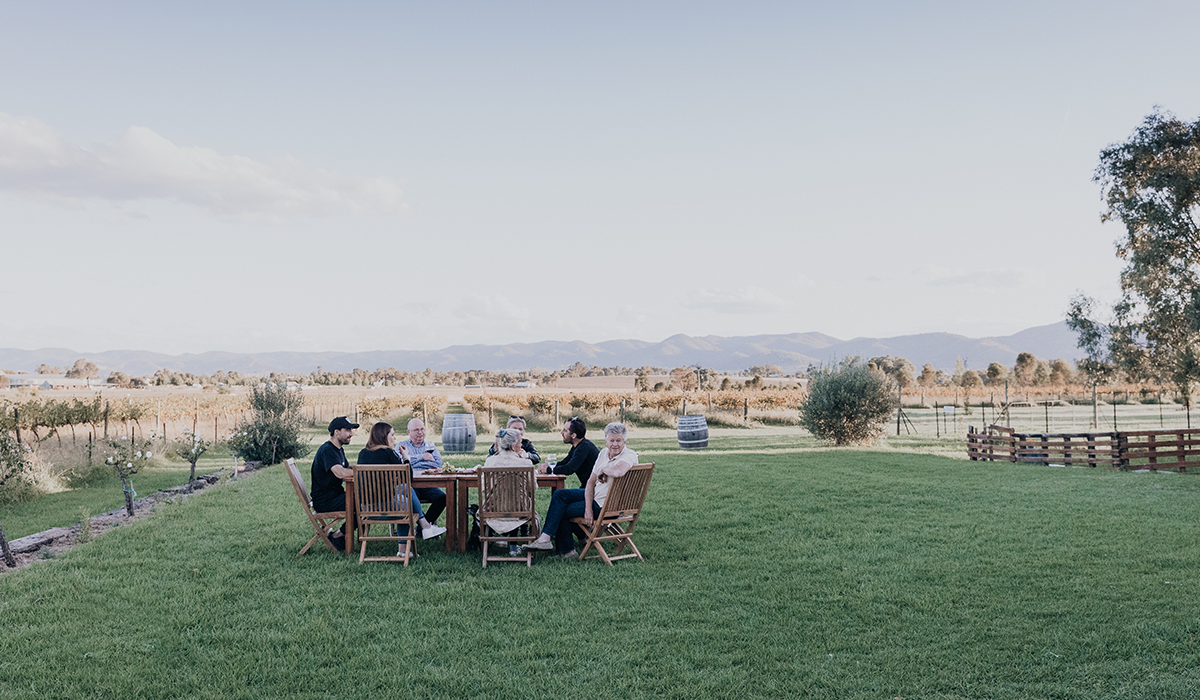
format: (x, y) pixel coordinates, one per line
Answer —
(53, 542)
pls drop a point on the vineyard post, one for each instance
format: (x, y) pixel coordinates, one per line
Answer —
(214, 427)
(17, 423)
(555, 411)
(937, 421)
(899, 403)
(1007, 408)
(490, 412)
(622, 412)
(106, 420)
(424, 416)
(1114, 403)
(1047, 405)
(1095, 411)
(195, 419)
(746, 408)
(683, 406)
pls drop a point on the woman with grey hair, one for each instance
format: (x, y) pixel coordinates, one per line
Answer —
(570, 503)
(508, 446)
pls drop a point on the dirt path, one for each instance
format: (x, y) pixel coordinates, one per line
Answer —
(50, 543)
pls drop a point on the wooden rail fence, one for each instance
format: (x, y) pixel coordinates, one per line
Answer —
(1176, 450)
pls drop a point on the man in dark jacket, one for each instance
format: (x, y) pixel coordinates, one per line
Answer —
(582, 457)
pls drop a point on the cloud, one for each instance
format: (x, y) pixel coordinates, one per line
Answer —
(475, 307)
(987, 278)
(750, 300)
(35, 160)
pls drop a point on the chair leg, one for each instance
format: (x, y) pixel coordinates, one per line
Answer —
(310, 544)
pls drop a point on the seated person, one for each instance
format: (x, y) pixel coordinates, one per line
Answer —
(526, 449)
(582, 457)
(508, 441)
(569, 503)
(509, 455)
(424, 455)
(329, 470)
(381, 449)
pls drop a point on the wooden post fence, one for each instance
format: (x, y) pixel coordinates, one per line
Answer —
(1151, 450)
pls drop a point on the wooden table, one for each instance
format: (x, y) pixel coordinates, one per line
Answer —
(446, 482)
(457, 487)
(351, 525)
(471, 481)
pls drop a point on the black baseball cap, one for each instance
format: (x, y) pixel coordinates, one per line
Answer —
(341, 423)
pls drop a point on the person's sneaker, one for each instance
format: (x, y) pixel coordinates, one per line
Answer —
(339, 543)
(514, 550)
(540, 545)
(570, 554)
(432, 531)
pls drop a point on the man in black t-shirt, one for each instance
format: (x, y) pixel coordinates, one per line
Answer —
(329, 470)
(582, 457)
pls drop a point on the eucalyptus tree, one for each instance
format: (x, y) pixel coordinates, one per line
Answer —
(1150, 183)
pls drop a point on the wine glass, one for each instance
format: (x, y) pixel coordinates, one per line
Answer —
(551, 462)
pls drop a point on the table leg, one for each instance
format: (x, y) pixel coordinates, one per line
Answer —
(351, 525)
(464, 500)
(451, 516)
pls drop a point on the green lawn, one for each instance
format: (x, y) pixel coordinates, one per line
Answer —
(807, 574)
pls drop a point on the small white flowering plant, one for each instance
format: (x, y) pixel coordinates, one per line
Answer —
(190, 447)
(127, 455)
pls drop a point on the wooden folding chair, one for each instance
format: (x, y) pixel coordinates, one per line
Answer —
(506, 500)
(322, 522)
(618, 515)
(383, 496)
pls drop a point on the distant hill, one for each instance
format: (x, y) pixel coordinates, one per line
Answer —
(791, 352)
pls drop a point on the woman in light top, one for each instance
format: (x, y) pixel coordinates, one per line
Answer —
(508, 450)
(569, 503)
(381, 449)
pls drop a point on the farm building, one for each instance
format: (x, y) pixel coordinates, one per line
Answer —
(46, 381)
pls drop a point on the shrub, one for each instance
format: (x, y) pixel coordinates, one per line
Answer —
(271, 434)
(847, 405)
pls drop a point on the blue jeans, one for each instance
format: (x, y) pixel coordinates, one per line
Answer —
(564, 505)
(402, 530)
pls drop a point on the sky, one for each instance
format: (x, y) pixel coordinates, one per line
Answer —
(254, 177)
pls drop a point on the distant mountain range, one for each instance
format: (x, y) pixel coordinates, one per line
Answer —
(791, 352)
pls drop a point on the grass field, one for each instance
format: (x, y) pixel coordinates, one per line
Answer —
(839, 574)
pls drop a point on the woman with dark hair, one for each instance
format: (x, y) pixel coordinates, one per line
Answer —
(381, 449)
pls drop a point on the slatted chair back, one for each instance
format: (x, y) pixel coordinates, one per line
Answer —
(383, 496)
(506, 500)
(321, 522)
(618, 516)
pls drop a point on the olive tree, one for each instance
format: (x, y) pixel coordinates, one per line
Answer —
(271, 433)
(848, 404)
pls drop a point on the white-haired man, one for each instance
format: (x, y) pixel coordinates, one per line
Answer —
(424, 455)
